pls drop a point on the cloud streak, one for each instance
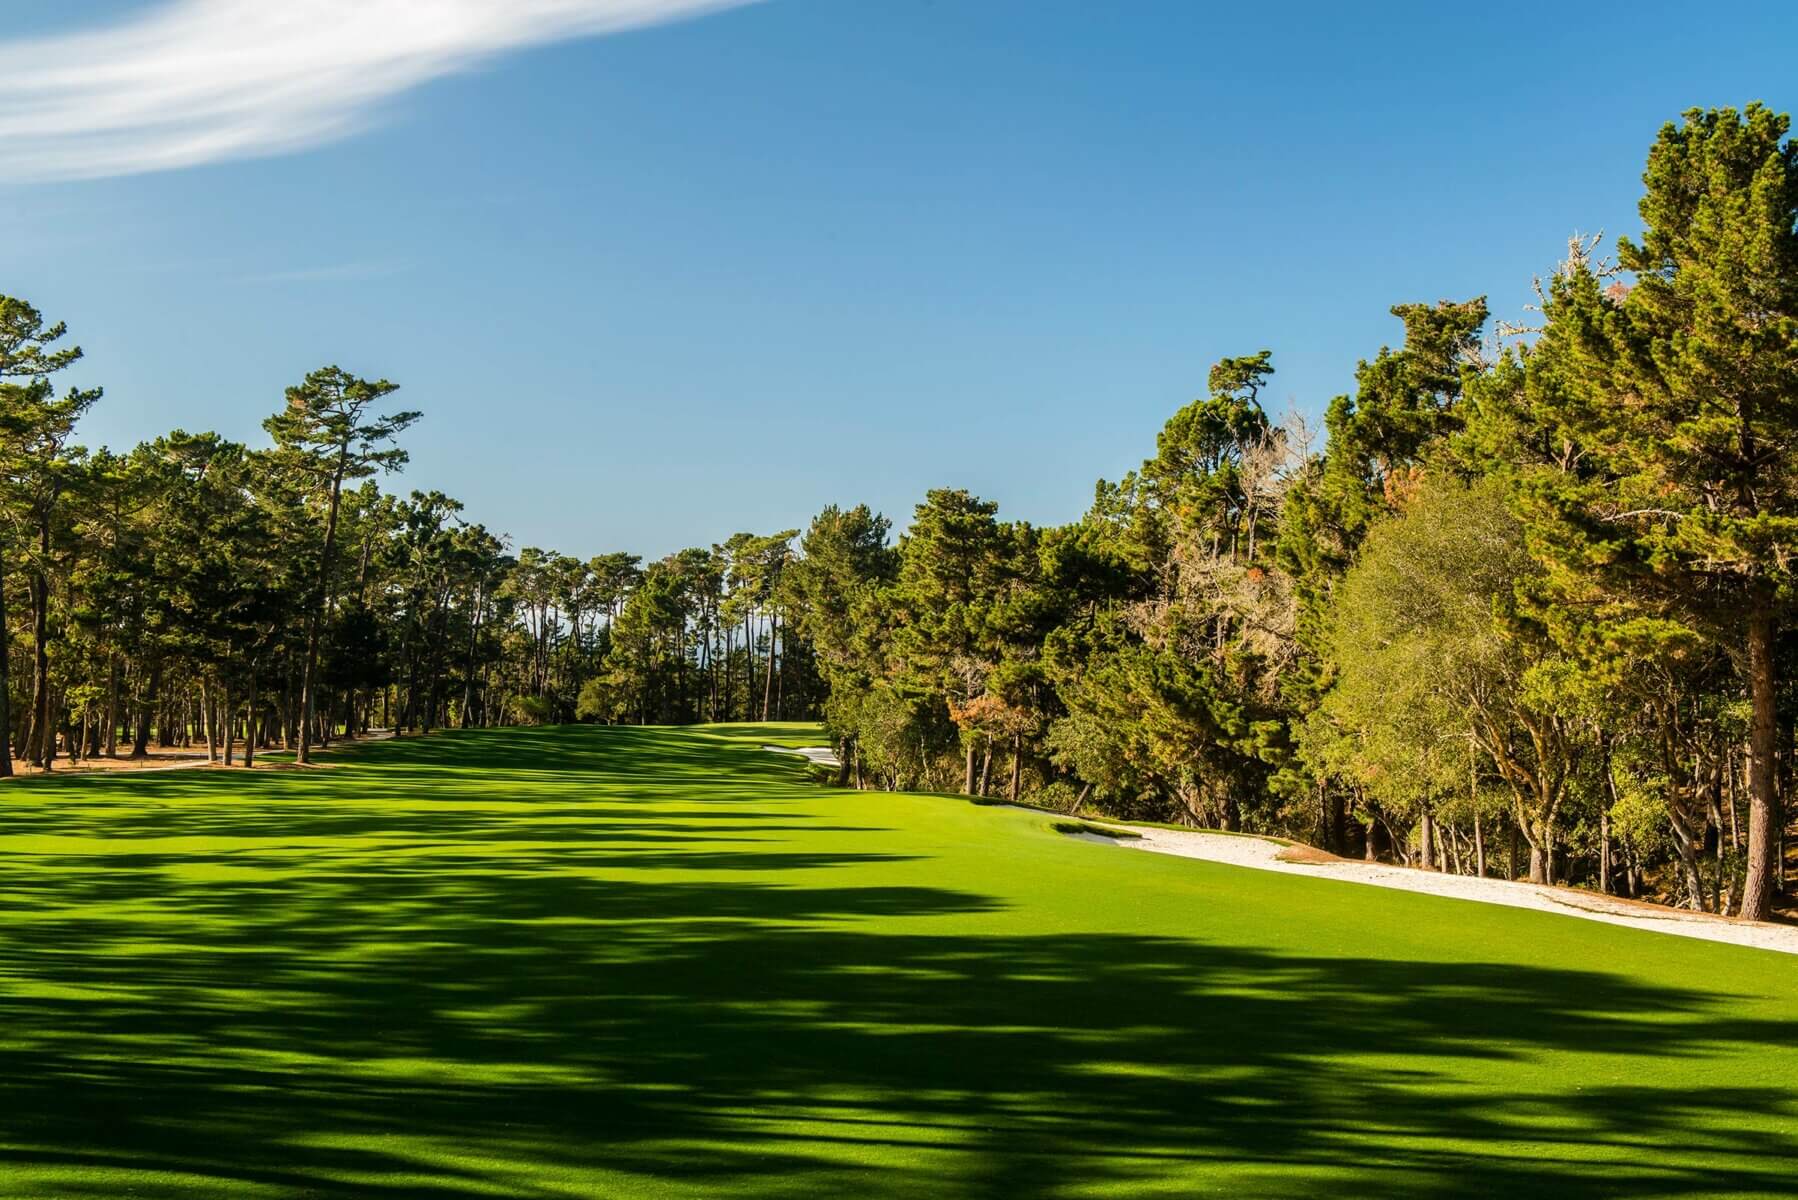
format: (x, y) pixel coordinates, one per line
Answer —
(202, 81)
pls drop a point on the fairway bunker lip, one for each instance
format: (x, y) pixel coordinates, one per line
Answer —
(1088, 830)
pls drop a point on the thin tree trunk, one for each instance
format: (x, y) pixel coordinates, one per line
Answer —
(748, 668)
(146, 704)
(249, 728)
(315, 616)
(1731, 794)
(5, 680)
(228, 717)
(1763, 797)
(112, 705)
(209, 719)
(40, 737)
(52, 709)
(1604, 816)
(768, 683)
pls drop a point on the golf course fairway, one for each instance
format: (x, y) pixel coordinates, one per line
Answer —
(595, 962)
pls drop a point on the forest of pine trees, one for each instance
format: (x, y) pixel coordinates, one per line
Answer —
(1522, 607)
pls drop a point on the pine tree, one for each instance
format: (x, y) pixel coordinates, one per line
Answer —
(1681, 405)
(330, 436)
(35, 428)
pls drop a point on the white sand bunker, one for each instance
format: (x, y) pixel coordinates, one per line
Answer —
(824, 756)
(1264, 855)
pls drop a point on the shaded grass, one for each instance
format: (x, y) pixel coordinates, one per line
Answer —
(622, 962)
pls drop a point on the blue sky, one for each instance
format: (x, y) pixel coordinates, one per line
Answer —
(657, 286)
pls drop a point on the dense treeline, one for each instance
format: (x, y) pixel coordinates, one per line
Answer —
(1522, 607)
(1525, 610)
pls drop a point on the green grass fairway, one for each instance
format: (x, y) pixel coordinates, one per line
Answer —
(659, 963)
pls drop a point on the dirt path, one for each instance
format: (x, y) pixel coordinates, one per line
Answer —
(169, 760)
(1263, 855)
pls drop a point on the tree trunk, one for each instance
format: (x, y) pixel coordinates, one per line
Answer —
(1763, 798)
(146, 704)
(1479, 846)
(40, 737)
(1017, 766)
(52, 709)
(228, 719)
(1426, 842)
(316, 615)
(1538, 864)
(967, 786)
(468, 679)
(209, 720)
(112, 706)
(748, 668)
(1732, 793)
(1604, 814)
(768, 684)
(249, 726)
(65, 719)
(5, 680)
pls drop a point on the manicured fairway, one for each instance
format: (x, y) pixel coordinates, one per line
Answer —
(619, 962)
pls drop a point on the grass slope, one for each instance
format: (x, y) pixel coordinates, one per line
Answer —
(619, 962)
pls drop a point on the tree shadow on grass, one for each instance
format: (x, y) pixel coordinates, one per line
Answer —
(360, 1021)
(657, 753)
(439, 1040)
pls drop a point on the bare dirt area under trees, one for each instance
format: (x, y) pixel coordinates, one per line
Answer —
(182, 758)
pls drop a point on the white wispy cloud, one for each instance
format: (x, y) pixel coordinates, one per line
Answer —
(196, 81)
